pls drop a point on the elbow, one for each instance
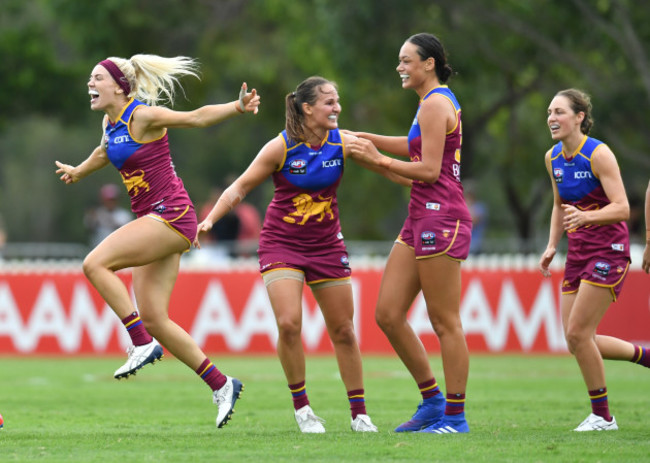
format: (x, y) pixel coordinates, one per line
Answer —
(431, 177)
(625, 212)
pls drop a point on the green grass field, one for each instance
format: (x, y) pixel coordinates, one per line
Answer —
(520, 408)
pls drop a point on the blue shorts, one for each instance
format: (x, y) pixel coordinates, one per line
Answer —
(436, 236)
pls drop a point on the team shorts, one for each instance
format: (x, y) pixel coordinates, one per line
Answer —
(436, 236)
(608, 272)
(181, 219)
(317, 268)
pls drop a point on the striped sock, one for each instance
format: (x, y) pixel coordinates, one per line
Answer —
(641, 356)
(599, 403)
(429, 389)
(211, 375)
(299, 395)
(357, 402)
(455, 404)
(135, 328)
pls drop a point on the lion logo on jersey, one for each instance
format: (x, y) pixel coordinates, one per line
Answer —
(134, 182)
(306, 208)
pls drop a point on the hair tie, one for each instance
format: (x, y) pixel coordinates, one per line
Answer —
(293, 94)
(117, 75)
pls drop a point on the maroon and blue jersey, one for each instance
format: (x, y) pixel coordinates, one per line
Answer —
(303, 214)
(146, 167)
(443, 198)
(578, 186)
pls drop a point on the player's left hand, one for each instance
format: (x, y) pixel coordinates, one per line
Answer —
(573, 217)
(248, 102)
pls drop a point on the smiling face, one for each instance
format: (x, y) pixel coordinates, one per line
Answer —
(323, 115)
(103, 90)
(414, 72)
(562, 120)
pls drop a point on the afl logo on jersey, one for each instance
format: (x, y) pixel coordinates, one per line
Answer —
(558, 174)
(428, 238)
(298, 166)
(602, 268)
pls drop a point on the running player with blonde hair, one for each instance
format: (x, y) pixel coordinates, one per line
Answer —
(134, 140)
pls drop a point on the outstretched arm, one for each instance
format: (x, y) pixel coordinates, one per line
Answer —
(152, 118)
(265, 163)
(366, 145)
(97, 159)
(397, 146)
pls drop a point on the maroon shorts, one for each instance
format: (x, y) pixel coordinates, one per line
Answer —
(608, 272)
(330, 264)
(180, 218)
(436, 236)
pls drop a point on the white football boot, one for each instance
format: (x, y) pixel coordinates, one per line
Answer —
(225, 399)
(308, 422)
(597, 423)
(139, 356)
(362, 423)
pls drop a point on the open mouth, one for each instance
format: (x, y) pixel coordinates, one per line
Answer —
(404, 77)
(94, 94)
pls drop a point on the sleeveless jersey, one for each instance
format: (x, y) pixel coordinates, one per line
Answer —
(578, 186)
(146, 167)
(443, 198)
(304, 211)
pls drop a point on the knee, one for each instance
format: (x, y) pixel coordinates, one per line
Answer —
(446, 326)
(387, 320)
(90, 267)
(574, 338)
(343, 334)
(288, 329)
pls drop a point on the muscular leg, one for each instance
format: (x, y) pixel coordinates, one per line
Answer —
(399, 287)
(286, 300)
(610, 348)
(338, 310)
(129, 246)
(153, 284)
(581, 314)
(440, 279)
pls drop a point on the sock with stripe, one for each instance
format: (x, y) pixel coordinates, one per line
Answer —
(599, 403)
(135, 328)
(211, 375)
(357, 402)
(455, 404)
(641, 356)
(299, 395)
(429, 389)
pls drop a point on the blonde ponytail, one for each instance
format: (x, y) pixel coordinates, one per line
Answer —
(153, 79)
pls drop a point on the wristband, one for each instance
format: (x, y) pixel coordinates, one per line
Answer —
(239, 105)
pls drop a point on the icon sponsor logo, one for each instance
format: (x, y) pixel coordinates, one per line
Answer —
(582, 174)
(332, 163)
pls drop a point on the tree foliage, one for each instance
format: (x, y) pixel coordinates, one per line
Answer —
(510, 58)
